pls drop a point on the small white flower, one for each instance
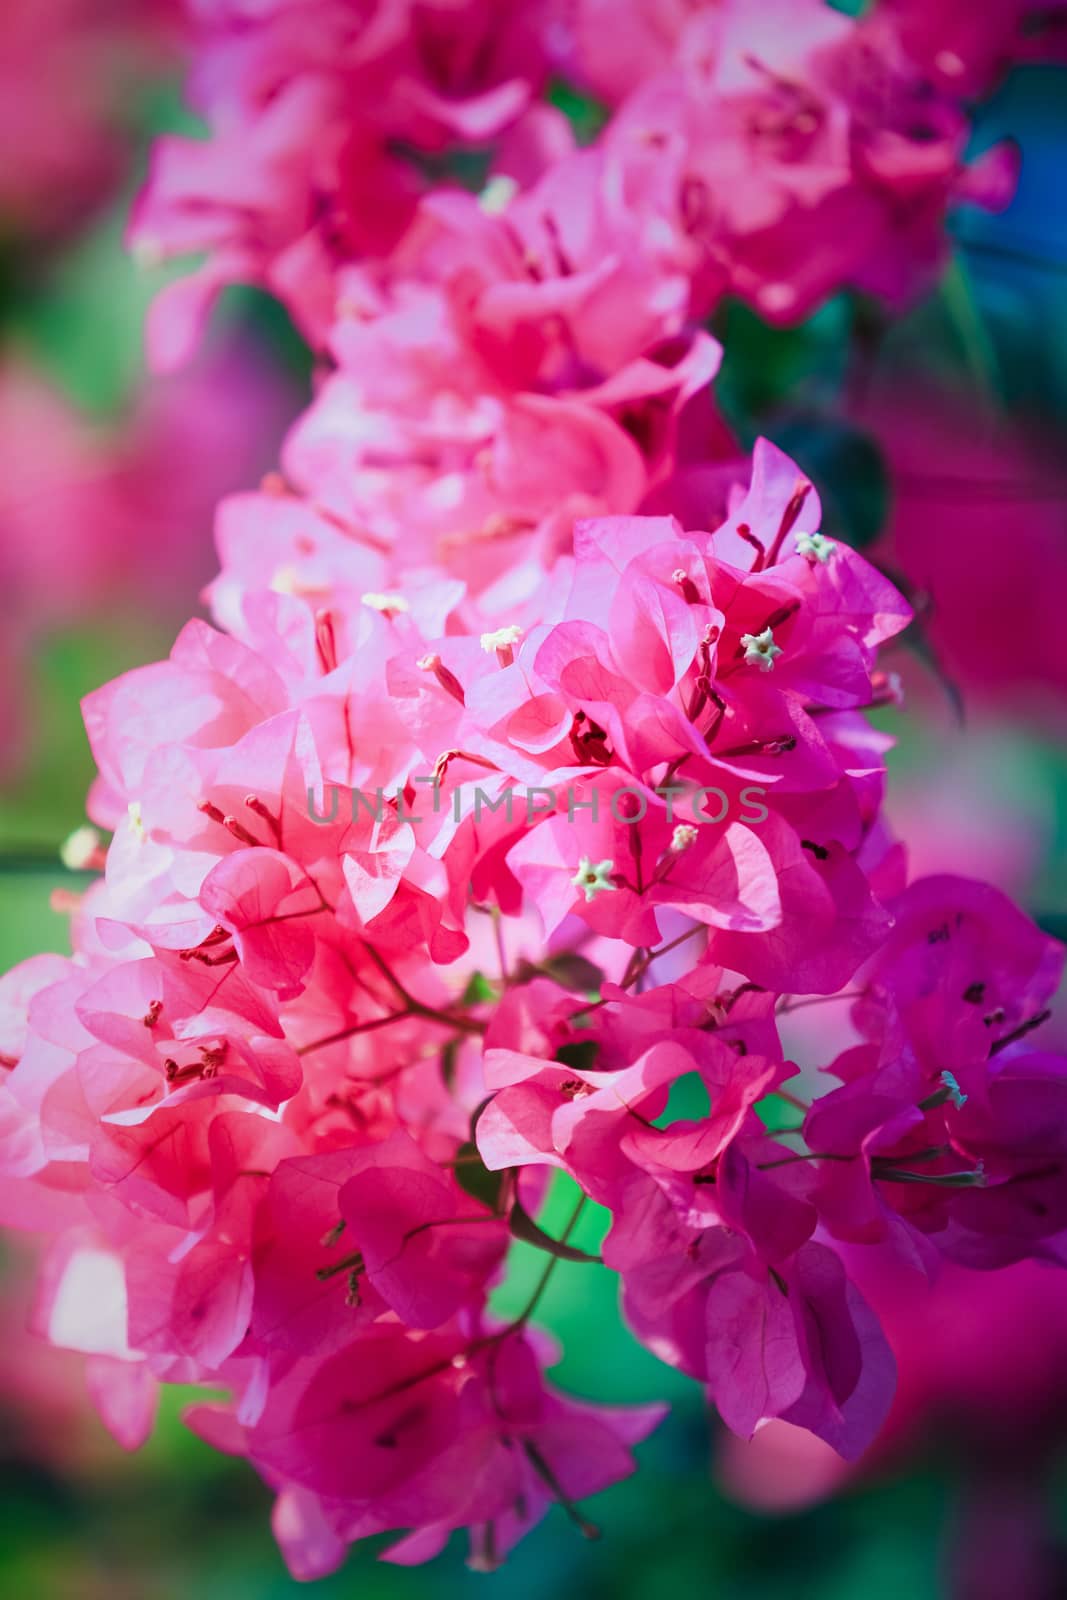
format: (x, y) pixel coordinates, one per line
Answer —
(498, 194)
(593, 878)
(501, 639)
(815, 546)
(286, 581)
(683, 836)
(760, 649)
(385, 602)
(77, 852)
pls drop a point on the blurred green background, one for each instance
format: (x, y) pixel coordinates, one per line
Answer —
(980, 373)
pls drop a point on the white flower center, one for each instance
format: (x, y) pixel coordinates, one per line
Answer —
(815, 546)
(501, 639)
(760, 649)
(498, 194)
(593, 878)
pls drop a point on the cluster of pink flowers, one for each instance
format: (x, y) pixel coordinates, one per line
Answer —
(512, 805)
(777, 152)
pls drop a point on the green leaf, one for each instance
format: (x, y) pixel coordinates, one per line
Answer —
(524, 1227)
(475, 1178)
(580, 1054)
(569, 969)
(46, 799)
(766, 369)
(585, 115)
(849, 472)
(449, 1054)
(776, 1114)
(687, 1101)
(478, 991)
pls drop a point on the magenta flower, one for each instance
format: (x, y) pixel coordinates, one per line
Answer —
(500, 821)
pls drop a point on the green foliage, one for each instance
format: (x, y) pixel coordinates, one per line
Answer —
(585, 115)
(83, 322)
(687, 1101)
(777, 1114)
(478, 990)
(524, 1227)
(47, 799)
(475, 1179)
(849, 470)
(765, 369)
(580, 1055)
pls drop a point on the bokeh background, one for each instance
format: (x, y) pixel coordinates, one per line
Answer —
(940, 446)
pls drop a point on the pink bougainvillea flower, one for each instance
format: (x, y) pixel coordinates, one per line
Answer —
(778, 154)
(324, 122)
(300, 1094)
(520, 791)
